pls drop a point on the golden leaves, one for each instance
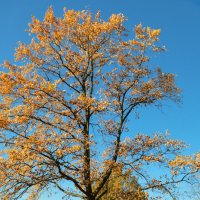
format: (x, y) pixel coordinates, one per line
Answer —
(116, 21)
(22, 52)
(153, 33)
(71, 17)
(35, 26)
(49, 16)
(144, 33)
(186, 161)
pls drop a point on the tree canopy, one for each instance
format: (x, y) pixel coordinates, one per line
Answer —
(65, 107)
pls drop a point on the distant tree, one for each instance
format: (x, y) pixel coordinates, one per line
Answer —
(65, 105)
(123, 186)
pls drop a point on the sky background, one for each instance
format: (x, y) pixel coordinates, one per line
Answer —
(179, 21)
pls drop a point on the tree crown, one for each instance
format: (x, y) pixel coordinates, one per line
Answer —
(66, 102)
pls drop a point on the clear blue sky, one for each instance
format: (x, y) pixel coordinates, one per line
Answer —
(179, 21)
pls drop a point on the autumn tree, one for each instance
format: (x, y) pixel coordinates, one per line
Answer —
(65, 108)
(123, 186)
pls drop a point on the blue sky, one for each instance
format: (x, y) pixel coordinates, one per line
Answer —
(180, 26)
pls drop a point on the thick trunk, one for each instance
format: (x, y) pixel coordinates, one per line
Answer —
(90, 197)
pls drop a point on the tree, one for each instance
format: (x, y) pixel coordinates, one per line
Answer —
(65, 106)
(123, 186)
